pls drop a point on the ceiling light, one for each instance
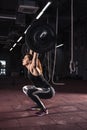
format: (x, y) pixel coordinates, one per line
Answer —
(59, 45)
(45, 7)
(14, 44)
(19, 39)
(11, 49)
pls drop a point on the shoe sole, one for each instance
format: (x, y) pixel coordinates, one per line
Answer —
(43, 114)
(35, 109)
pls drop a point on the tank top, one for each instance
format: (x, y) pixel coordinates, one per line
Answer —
(38, 81)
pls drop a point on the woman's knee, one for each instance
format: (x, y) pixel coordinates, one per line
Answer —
(28, 89)
(25, 90)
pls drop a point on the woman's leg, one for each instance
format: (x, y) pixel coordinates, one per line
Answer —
(29, 91)
(36, 93)
(44, 93)
(26, 88)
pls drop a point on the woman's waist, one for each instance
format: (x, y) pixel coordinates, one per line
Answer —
(34, 74)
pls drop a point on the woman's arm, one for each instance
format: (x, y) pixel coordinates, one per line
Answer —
(35, 59)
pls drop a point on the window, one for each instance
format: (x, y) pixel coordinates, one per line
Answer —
(2, 67)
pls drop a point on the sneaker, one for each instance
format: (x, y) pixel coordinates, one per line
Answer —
(42, 112)
(35, 108)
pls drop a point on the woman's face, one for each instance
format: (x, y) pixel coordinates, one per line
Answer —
(25, 60)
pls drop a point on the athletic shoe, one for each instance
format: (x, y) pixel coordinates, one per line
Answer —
(42, 112)
(35, 108)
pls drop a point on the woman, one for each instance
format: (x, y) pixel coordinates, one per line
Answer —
(41, 88)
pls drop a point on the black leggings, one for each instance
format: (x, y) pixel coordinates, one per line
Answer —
(36, 93)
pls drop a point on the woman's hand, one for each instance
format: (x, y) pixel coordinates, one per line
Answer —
(31, 52)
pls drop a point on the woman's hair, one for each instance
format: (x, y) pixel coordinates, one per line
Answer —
(30, 56)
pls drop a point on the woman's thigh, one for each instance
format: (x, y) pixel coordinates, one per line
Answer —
(44, 93)
(28, 88)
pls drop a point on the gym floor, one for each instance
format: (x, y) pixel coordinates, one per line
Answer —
(67, 110)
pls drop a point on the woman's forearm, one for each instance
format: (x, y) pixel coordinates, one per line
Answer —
(35, 58)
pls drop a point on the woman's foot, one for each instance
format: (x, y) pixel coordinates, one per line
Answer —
(42, 112)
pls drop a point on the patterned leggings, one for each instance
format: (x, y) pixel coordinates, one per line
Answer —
(36, 93)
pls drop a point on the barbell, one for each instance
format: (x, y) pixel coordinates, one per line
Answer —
(40, 37)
